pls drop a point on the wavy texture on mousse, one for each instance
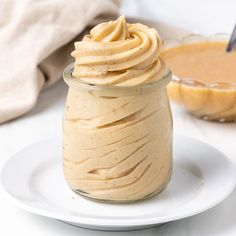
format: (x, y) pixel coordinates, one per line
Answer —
(118, 53)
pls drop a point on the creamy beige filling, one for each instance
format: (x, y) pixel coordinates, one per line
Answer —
(125, 156)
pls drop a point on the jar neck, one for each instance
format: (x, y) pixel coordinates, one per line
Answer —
(76, 83)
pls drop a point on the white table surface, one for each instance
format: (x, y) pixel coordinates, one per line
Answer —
(45, 121)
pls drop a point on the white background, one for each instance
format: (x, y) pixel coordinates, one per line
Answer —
(209, 16)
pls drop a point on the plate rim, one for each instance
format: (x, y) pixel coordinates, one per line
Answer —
(117, 223)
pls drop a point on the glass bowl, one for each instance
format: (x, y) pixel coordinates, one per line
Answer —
(209, 101)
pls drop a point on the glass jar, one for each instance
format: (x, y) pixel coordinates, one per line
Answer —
(117, 140)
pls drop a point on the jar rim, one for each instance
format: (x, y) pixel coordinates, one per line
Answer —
(70, 80)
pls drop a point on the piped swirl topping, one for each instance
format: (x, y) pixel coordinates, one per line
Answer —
(120, 54)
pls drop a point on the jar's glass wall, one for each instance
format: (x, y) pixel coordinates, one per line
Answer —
(118, 144)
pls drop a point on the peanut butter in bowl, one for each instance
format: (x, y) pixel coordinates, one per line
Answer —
(117, 130)
(204, 80)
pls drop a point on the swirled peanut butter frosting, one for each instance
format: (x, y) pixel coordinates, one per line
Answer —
(118, 53)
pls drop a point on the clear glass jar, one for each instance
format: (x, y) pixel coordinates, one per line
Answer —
(117, 140)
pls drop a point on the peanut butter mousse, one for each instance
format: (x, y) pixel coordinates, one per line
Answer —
(118, 124)
(117, 53)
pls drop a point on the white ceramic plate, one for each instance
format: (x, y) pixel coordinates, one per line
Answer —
(202, 177)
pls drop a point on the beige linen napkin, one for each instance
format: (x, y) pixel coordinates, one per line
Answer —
(36, 38)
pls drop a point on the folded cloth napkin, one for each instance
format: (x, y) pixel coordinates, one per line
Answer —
(36, 38)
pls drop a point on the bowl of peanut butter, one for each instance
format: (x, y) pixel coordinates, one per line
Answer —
(204, 76)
